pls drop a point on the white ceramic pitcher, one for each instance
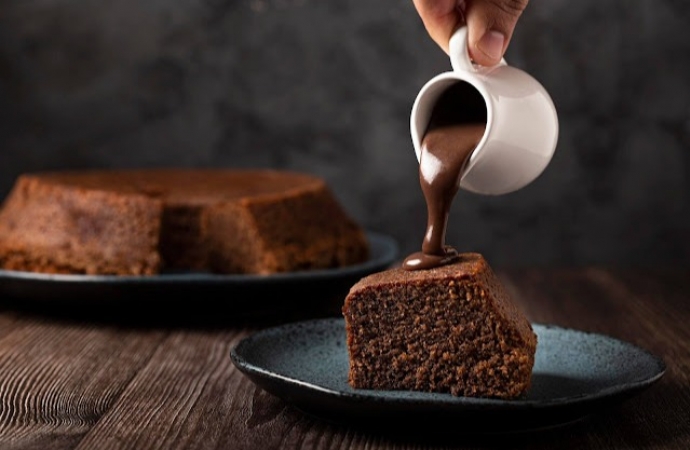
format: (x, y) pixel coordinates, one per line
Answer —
(521, 129)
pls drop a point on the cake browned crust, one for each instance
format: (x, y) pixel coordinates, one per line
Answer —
(451, 329)
(142, 221)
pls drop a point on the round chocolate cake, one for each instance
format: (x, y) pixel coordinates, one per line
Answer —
(144, 221)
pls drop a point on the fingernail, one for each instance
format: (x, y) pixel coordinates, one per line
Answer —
(491, 44)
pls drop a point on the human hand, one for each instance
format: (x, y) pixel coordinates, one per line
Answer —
(490, 24)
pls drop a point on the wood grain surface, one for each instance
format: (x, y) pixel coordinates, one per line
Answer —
(119, 378)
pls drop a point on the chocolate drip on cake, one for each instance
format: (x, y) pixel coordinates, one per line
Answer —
(457, 125)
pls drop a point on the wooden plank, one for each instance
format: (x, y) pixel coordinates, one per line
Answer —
(66, 385)
(9, 320)
(190, 396)
(57, 379)
(181, 397)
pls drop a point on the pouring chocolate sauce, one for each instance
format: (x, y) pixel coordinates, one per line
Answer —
(457, 124)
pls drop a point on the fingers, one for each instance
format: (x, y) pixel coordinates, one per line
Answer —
(440, 18)
(490, 25)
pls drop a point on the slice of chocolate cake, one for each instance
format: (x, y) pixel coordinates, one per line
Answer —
(451, 329)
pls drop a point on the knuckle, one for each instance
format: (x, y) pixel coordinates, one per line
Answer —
(510, 7)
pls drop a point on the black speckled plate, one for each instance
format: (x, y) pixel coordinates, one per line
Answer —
(240, 292)
(575, 374)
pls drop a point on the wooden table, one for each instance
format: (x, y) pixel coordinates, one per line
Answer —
(117, 378)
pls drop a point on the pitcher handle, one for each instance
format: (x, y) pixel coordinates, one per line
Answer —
(459, 54)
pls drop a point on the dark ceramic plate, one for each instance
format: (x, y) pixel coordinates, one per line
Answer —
(241, 292)
(575, 374)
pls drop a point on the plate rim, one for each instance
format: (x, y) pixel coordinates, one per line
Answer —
(440, 400)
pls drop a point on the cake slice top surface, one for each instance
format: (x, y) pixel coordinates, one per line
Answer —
(467, 265)
(184, 184)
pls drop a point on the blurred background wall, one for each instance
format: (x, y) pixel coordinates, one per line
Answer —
(326, 86)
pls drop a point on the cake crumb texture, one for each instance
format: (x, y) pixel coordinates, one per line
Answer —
(452, 329)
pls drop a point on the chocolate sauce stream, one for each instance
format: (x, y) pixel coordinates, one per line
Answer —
(447, 144)
(443, 154)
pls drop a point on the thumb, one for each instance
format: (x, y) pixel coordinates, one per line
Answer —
(490, 25)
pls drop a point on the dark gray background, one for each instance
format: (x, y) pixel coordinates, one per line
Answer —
(326, 86)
